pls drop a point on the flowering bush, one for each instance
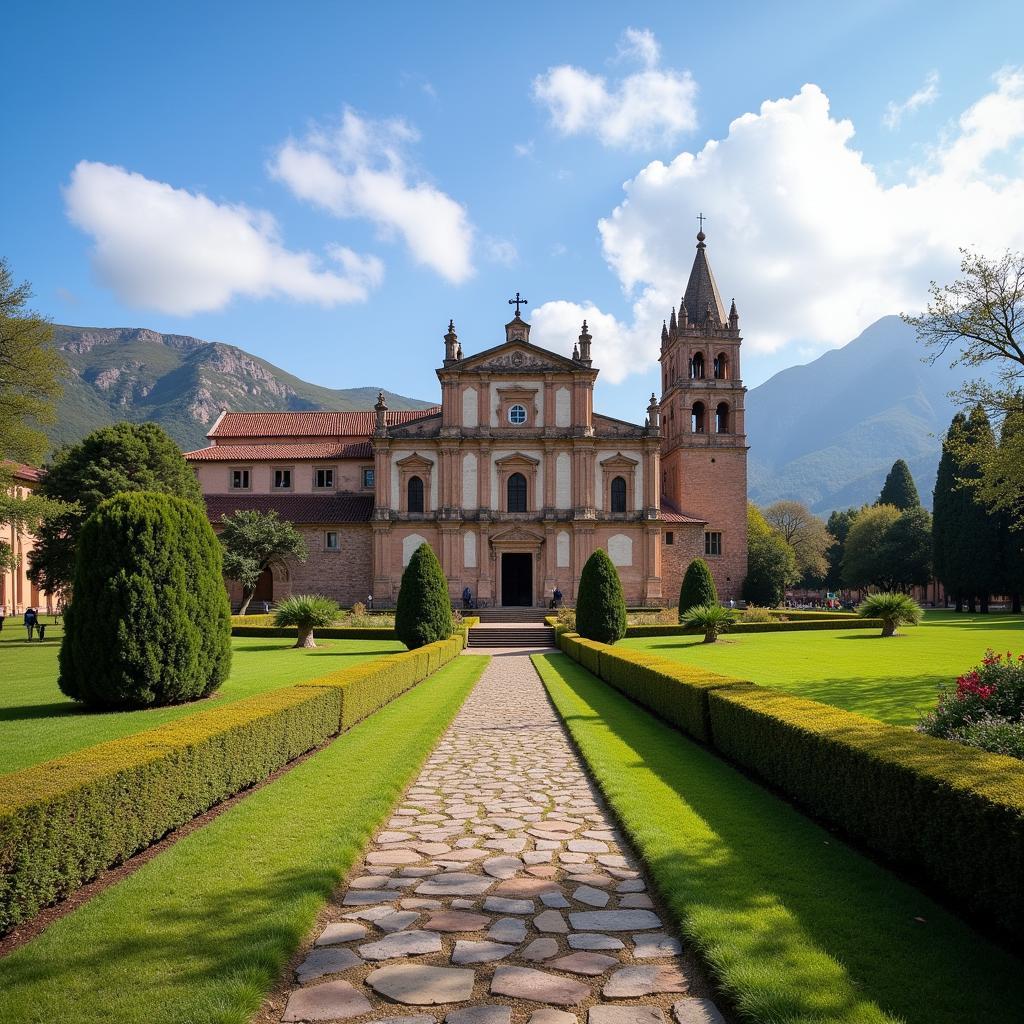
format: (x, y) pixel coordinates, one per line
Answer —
(755, 613)
(986, 709)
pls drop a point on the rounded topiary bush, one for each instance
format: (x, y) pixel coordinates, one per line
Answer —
(424, 610)
(149, 621)
(698, 588)
(600, 606)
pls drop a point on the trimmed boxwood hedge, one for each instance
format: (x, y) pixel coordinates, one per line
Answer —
(327, 633)
(951, 814)
(855, 622)
(65, 821)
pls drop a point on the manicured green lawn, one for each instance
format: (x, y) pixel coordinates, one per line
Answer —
(893, 680)
(796, 925)
(202, 932)
(37, 722)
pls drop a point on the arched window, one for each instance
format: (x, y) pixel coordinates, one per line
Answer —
(722, 418)
(414, 494)
(697, 418)
(721, 366)
(697, 366)
(517, 493)
(618, 494)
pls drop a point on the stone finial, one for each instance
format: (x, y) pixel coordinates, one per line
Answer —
(576, 351)
(664, 332)
(451, 343)
(652, 413)
(673, 329)
(684, 317)
(585, 339)
(734, 317)
(381, 409)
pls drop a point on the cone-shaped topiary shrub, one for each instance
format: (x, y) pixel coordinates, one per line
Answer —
(600, 606)
(424, 611)
(698, 588)
(149, 621)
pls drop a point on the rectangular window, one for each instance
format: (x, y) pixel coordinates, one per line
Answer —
(712, 543)
(323, 478)
(282, 479)
(669, 537)
(331, 541)
(368, 480)
(240, 479)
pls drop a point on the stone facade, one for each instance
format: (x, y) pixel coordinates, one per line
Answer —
(17, 591)
(514, 480)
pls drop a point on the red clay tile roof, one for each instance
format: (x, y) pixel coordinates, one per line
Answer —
(317, 423)
(22, 472)
(326, 509)
(281, 452)
(670, 514)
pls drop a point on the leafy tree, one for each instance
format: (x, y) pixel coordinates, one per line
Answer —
(980, 319)
(30, 372)
(600, 606)
(253, 542)
(894, 610)
(838, 526)
(979, 535)
(149, 622)
(22, 511)
(711, 618)
(1011, 556)
(899, 488)
(306, 612)
(423, 614)
(906, 555)
(805, 533)
(771, 562)
(109, 461)
(949, 553)
(865, 561)
(698, 587)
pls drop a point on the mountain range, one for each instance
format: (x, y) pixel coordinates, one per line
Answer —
(182, 383)
(825, 433)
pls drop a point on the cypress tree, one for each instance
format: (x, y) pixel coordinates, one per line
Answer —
(698, 587)
(600, 606)
(980, 533)
(1012, 540)
(945, 525)
(899, 488)
(424, 610)
(149, 622)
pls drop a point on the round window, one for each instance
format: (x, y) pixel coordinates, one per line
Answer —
(517, 414)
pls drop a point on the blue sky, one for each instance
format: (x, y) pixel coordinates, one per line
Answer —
(326, 184)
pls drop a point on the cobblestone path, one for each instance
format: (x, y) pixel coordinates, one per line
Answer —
(500, 892)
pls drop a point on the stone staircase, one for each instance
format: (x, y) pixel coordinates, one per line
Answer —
(512, 634)
(510, 615)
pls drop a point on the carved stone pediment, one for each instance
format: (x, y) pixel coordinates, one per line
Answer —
(516, 535)
(415, 462)
(517, 357)
(620, 462)
(516, 460)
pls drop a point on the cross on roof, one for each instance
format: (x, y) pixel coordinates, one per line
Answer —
(517, 302)
(700, 219)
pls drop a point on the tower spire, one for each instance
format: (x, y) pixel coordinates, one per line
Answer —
(701, 300)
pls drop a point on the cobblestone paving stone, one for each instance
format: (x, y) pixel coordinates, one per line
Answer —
(499, 892)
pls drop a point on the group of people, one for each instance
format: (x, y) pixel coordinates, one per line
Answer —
(467, 598)
(30, 620)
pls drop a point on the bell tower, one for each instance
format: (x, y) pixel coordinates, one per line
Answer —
(704, 444)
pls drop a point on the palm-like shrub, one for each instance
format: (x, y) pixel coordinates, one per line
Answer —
(149, 621)
(698, 587)
(306, 612)
(712, 618)
(600, 606)
(894, 610)
(424, 610)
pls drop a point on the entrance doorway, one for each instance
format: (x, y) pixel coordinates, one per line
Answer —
(264, 588)
(517, 580)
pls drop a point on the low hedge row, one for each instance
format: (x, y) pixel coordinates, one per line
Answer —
(802, 625)
(65, 821)
(326, 633)
(950, 814)
(253, 620)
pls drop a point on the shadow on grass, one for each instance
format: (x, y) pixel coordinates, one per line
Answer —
(776, 903)
(24, 712)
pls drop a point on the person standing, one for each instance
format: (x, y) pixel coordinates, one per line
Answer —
(3, 615)
(30, 621)
(467, 597)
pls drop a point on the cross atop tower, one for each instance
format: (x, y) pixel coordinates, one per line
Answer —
(700, 220)
(517, 302)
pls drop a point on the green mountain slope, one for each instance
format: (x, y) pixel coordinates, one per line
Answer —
(828, 432)
(182, 383)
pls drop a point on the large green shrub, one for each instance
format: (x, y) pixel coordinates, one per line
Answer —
(698, 587)
(149, 622)
(600, 606)
(424, 611)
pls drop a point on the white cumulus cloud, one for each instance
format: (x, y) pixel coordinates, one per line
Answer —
(802, 231)
(179, 252)
(650, 106)
(923, 97)
(360, 168)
